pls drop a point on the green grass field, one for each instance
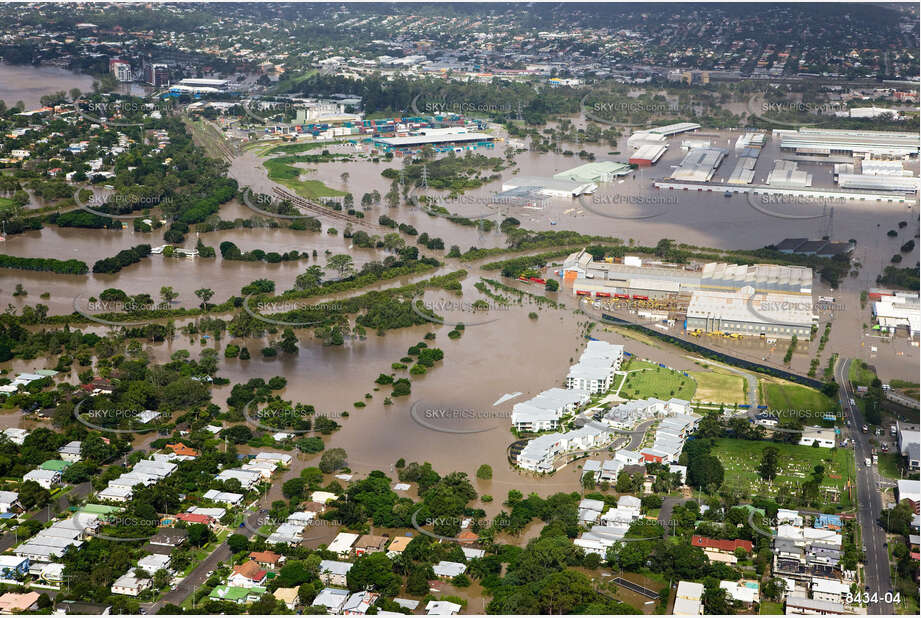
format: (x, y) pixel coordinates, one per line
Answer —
(787, 396)
(286, 174)
(860, 374)
(770, 608)
(889, 465)
(741, 458)
(655, 381)
(719, 387)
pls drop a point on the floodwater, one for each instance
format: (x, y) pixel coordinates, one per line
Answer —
(27, 83)
(513, 353)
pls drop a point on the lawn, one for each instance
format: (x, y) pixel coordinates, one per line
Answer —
(771, 608)
(860, 374)
(655, 381)
(780, 395)
(888, 465)
(281, 171)
(719, 387)
(741, 458)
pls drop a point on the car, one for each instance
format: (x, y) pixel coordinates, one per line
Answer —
(864, 549)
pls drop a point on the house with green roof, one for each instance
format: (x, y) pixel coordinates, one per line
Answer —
(55, 465)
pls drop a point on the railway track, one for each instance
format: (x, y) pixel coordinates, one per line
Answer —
(313, 207)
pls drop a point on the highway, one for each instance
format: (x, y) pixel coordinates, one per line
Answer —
(869, 503)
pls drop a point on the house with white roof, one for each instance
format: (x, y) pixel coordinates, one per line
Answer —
(342, 544)
(688, 599)
(247, 478)
(544, 411)
(282, 459)
(442, 608)
(45, 478)
(332, 599)
(224, 497)
(9, 501)
(447, 569)
(334, 572)
(590, 510)
(71, 451)
(130, 585)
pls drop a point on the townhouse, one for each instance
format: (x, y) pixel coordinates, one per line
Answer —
(544, 411)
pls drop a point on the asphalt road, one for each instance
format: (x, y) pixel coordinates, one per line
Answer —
(869, 503)
(199, 574)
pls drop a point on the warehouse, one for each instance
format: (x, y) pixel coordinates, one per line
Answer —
(747, 313)
(899, 311)
(787, 176)
(580, 269)
(751, 140)
(551, 187)
(647, 155)
(878, 183)
(452, 137)
(872, 167)
(839, 142)
(699, 164)
(690, 144)
(744, 171)
(597, 171)
(672, 129)
(525, 197)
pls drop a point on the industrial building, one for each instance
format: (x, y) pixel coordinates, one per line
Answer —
(746, 313)
(671, 129)
(848, 143)
(699, 164)
(648, 154)
(900, 311)
(525, 197)
(821, 248)
(550, 186)
(456, 138)
(878, 183)
(596, 171)
(786, 175)
(744, 171)
(751, 140)
(875, 167)
(635, 276)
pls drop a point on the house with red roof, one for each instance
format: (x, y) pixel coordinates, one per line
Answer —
(721, 545)
(195, 518)
(247, 575)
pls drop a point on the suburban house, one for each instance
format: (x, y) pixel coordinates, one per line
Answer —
(236, 594)
(333, 599)
(247, 575)
(369, 544)
(333, 572)
(447, 569)
(267, 559)
(45, 478)
(9, 501)
(342, 544)
(288, 596)
(688, 599)
(130, 585)
(13, 567)
(16, 603)
(442, 608)
(70, 452)
(359, 603)
(398, 545)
